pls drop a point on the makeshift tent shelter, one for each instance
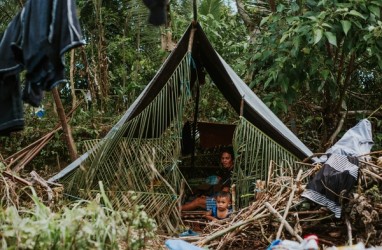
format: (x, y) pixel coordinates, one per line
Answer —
(154, 123)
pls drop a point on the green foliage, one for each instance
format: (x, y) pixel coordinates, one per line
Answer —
(81, 225)
(213, 106)
(122, 52)
(8, 9)
(228, 36)
(315, 53)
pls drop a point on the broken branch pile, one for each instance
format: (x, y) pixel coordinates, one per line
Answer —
(17, 191)
(281, 207)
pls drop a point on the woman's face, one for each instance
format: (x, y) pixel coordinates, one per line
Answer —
(226, 160)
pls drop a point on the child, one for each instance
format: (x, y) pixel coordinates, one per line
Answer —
(221, 210)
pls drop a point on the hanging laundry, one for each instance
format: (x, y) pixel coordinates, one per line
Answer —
(50, 28)
(157, 11)
(11, 106)
(35, 41)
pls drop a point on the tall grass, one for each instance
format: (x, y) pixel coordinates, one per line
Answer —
(80, 225)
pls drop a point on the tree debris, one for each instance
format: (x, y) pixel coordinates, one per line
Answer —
(255, 226)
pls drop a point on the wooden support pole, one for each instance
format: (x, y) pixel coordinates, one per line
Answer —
(65, 126)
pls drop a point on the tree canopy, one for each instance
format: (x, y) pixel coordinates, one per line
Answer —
(320, 59)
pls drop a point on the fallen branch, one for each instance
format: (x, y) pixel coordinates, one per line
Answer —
(16, 178)
(287, 226)
(291, 196)
(29, 152)
(365, 171)
(338, 129)
(319, 211)
(240, 228)
(312, 156)
(228, 229)
(43, 183)
(348, 226)
(370, 164)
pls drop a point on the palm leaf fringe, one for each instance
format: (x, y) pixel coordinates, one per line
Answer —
(254, 152)
(138, 163)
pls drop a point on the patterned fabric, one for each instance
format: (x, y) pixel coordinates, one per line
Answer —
(334, 180)
(210, 203)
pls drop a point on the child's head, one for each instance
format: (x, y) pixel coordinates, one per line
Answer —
(223, 200)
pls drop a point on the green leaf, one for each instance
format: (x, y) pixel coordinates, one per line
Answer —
(346, 25)
(378, 3)
(326, 25)
(356, 13)
(380, 64)
(317, 35)
(331, 38)
(264, 20)
(375, 10)
(285, 36)
(324, 74)
(313, 18)
(267, 82)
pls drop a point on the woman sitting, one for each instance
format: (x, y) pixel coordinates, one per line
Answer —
(224, 183)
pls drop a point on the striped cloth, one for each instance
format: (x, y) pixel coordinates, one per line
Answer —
(334, 180)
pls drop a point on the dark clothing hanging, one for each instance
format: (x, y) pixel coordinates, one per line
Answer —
(11, 107)
(36, 40)
(51, 29)
(8, 63)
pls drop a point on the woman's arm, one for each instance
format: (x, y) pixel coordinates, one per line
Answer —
(209, 216)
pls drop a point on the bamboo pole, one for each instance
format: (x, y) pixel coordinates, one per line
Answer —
(32, 153)
(348, 227)
(71, 73)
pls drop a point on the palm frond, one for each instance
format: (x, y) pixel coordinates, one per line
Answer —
(141, 156)
(211, 7)
(254, 153)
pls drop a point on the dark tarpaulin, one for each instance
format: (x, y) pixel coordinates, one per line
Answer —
(227, 81)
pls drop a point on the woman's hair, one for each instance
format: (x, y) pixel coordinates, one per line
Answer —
(228, 150)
